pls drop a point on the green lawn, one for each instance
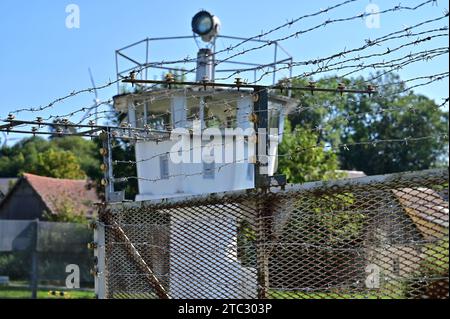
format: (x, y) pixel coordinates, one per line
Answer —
(334, 295)
(25, 293)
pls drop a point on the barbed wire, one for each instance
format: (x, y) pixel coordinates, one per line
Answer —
(141, 68)
(227, 101)
(344, 117)
(300, 108)
(445, 102)
(346, 66)
(395, 64)
(298, 33)
(325, 23)
(422, 56)
(327, 146)
(290, 155)
(340, 65)
(80, 110)
(255, 37)
(263, 244)
(63, 98)
(425, 55)
(399, 34)
(328, 22)
(432, 80)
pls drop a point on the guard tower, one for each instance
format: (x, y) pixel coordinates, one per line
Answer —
(212, 119)
(201, 128)
(198, 134)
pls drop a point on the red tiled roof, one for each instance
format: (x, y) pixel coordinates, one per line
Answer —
(428, 210)
(56, 193)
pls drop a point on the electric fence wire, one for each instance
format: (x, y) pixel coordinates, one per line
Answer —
(327, 22)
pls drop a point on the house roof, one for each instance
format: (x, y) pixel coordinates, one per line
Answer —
(5, 185)
(56, 193)
(427, 208)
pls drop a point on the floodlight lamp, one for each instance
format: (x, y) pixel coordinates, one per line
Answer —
(205, 25)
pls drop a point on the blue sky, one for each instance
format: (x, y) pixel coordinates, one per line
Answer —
(41, 59)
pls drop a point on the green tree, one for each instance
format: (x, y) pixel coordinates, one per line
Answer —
(23, 156)
(122, 151)
(395, 117)
(302, 159)
(66, 214)
(392, 113)
(58, 164)
(61, 127)
(86, 152)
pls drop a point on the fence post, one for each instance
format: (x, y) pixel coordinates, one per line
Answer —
(263, 233)
(99, 255)
(34, 260)
(261, 124)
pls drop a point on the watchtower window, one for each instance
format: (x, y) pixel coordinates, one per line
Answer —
(155, 115)
(274, 115)
(220, 111)
(164, 166)
(230, 121)
(158, 115)
(141, 118)
(209, 170)
(192, 110)
(250, 172)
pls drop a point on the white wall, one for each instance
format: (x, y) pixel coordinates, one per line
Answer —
(210, 268)
(186, 178)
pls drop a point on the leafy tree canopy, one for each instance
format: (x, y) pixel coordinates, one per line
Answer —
(302, 160)
(321, 118)
(392, 113)
(66, 157)
(58, 164)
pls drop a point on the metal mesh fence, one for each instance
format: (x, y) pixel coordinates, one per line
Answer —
(34, 257)
(375, 237)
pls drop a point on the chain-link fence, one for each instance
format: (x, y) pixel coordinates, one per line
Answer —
(37, 258)
(373, 237)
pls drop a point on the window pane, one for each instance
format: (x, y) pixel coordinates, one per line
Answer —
(164, 166)
(209, 170)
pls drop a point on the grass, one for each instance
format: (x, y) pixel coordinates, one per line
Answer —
(388, 290)
(325, 295)
(7, 292)
(381, 294)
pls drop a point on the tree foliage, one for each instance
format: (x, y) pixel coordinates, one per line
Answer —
(324, 118)
(58, 164)
(65, 157)
(392, 113)
(302, 160)
(123, 151)
(66, 214)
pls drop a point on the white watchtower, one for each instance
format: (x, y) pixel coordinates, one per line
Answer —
(192, 111)
(218, 126)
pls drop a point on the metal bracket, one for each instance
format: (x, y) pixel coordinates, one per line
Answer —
(264, 181)
(116, 197)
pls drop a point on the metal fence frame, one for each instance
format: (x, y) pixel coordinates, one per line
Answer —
(145, 64)
(45, 249)
(115, 217)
